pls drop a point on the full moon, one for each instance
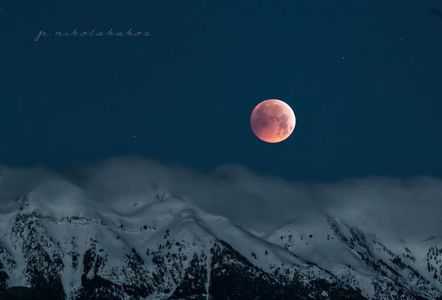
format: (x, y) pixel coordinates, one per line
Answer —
(273, 121)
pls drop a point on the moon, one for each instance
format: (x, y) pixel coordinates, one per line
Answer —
(272, 121)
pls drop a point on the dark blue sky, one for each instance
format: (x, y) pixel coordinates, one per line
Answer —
(364, 78)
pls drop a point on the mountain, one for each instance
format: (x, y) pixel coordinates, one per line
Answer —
(59, 242)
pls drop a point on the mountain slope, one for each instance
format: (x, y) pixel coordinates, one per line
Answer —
(362, 259)
(59, 242)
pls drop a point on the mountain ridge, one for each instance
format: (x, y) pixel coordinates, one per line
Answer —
(63, 243)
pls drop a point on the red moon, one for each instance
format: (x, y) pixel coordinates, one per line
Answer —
(273, 121)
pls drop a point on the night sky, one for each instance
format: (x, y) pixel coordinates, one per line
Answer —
(363, 77)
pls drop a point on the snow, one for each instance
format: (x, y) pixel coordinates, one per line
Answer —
(70, 220)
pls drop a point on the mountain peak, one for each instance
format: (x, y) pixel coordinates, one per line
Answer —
(63, 238)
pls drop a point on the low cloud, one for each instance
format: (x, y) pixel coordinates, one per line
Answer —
(410, 207)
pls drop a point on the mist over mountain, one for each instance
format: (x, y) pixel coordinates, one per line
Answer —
(406, 206)
(131, 228)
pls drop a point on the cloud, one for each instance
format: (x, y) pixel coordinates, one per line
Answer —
(15, 182)
(410, 207)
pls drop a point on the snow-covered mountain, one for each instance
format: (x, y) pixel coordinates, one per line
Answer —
(58, 242)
